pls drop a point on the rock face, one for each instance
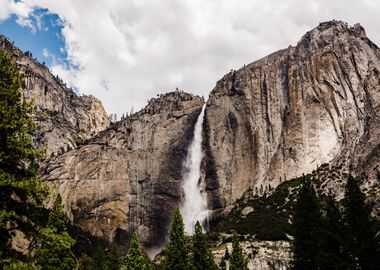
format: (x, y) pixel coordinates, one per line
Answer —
(261, 255)
(128, 178)
(64, 119)
(285, 114)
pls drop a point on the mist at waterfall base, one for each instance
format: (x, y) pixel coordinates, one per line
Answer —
(194, 206)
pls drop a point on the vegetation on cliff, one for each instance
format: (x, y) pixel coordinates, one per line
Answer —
(21, 192)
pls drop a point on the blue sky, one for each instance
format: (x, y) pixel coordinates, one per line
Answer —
(46, 34)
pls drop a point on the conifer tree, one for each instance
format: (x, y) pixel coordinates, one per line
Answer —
(364, 242)
(237, 259)
(202, 258)
(333, 240)
(137, 258)
(97, 259)
(21, 192)
(112, 259)
(226, 257)
(55, 252)
(307, 223)
(177, 249)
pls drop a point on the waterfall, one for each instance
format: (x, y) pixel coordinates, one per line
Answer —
(194, 207)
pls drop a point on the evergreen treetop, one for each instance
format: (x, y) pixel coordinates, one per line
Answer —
(307, 224)
(56, 244)
(202, 258)
(364, 240)
(237, 259)
(333, 251)
(112, 259)
(177, 249)
(137, 258)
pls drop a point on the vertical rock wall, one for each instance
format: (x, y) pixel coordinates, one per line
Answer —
(293, 110)
(128, 178)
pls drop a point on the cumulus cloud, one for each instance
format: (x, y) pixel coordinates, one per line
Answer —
(125, 52)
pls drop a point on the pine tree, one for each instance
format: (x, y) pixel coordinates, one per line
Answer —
(226, 257)
(21, 192)
(137, 258)
(56, 243)
(237, 260)
(364, 242)
(97, 259)
(177, 249)
(307, 223)
(202, 258)
(333, 240)
(112, 259)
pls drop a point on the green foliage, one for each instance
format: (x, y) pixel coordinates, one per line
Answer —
(333, 252)
(275, 209)
(177, 249)
(307, 223)
(97, 259)
(108, 259)
(334, 240)
(18, 265)
(112, 259)
(21, 192)
(237, 260)
(226, 257)
(56, 243)
(84, 262)
(137, 258)
(78, 140)
(202, 258)
(364, 240)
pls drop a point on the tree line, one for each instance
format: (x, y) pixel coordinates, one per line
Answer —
(181, 252)
(329, 235)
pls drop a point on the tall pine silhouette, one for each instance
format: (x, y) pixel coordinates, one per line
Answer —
(177, 252)
(365, 241)
(202, 258)
(21, 192)
(237, 259)
(137, 259)
(55, 252)
(333, 249)
(307, 223)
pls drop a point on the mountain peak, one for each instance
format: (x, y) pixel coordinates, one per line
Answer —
(332, 31)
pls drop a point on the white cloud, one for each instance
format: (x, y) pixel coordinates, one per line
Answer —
(128, 51)
(45, 52)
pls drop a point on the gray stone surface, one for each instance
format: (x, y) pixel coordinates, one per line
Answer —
(128, 178)
(289, 112)
(64, 119)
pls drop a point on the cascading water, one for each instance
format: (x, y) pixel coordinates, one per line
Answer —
(194, 207)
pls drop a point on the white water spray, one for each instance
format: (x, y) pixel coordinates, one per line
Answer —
(194, 207)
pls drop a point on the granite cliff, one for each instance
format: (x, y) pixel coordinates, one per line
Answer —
(286, 114)
(128, 178)
(64, 119)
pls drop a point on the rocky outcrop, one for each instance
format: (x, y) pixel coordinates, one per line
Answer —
(286, 114)
(261, 255)
(64, 119)
(128, 178)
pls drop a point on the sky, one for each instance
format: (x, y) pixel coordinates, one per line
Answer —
(125, 52)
